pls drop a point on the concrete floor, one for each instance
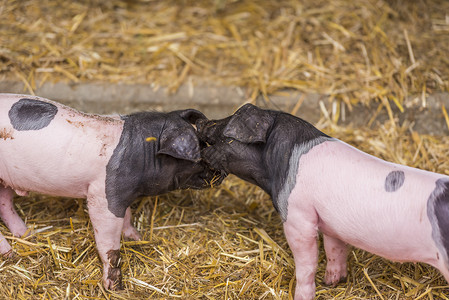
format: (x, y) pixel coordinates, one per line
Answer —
(218, 101)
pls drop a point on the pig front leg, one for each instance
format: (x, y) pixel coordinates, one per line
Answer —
(336, 254)
(301, 233)
(129, 232)
(107, 229)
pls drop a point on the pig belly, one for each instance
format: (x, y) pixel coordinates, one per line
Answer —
(347, 189)
(63, 158)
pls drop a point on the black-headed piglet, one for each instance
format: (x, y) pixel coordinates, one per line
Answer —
(318, 183)
(52, 149)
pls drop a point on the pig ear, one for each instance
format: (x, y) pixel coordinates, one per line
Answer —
(249, 124)
(191, 115)
(180, 142)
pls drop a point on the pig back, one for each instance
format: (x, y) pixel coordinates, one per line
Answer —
(50, 148)
(372, 204)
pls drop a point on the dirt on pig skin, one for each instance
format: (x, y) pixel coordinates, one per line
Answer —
(115, 274)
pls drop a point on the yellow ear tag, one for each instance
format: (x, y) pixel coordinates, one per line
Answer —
(151, 139)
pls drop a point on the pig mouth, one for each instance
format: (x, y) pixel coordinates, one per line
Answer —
(203, 180)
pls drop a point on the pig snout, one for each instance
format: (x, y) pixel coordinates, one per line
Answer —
(200, 127)
(208, 131)
(214, 153)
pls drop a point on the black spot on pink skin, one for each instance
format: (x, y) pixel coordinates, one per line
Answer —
(394, 181)
(115, 274)
(29, 114)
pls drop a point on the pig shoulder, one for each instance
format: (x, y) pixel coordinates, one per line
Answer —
(289, 139)
(130, 170)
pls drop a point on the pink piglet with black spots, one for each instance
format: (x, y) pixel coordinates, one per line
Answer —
(320, 184)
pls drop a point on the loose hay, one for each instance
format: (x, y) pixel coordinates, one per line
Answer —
(226, 242)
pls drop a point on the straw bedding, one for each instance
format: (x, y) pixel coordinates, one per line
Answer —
(225, 242)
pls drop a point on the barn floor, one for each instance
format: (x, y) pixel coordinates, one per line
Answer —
(226, 242)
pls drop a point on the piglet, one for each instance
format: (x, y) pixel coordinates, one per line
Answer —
(318, 183)
(52, 149)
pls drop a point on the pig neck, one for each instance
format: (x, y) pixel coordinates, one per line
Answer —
(289, 138)
(133, 168)
(255, 170)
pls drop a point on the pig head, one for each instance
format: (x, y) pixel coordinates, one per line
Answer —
(156, 153)
(50, 148)
(321, 184)
(256, 145)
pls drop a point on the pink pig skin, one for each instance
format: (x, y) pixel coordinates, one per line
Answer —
(66, 158)
(340, 191)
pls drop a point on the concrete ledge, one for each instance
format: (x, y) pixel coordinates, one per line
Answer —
(218, 101)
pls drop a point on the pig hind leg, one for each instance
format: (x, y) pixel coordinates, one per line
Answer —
(107, 228)
(11, 219)
(336, 254)
(129, 232)
(9, 215)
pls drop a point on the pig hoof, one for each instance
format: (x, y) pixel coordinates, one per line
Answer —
(114, 280)
(333, 278)
(21, 232)
(131, 234)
